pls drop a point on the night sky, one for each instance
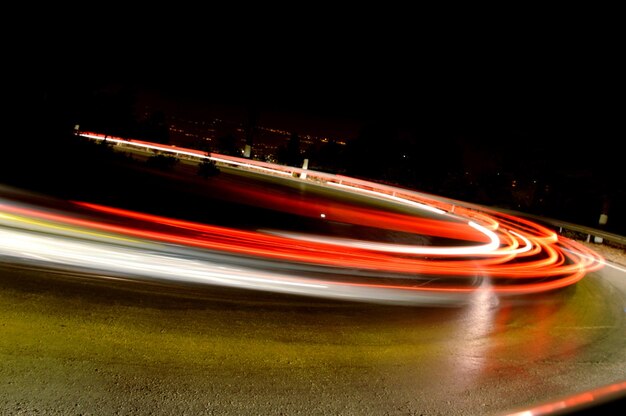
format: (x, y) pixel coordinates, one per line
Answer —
(555, 91)
(551, 74)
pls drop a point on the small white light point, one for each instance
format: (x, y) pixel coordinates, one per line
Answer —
(323, 215)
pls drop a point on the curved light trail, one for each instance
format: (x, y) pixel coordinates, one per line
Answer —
(514, 255)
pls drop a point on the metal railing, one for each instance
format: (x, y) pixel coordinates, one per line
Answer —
(442, 203)
(588, 232)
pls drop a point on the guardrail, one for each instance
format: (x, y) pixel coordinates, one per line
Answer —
(589, 232)
(428, 201)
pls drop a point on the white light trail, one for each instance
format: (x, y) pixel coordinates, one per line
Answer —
(490, 248)
(403, 201)
(136, 262)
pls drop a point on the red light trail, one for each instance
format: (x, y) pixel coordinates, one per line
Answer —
(511, 254)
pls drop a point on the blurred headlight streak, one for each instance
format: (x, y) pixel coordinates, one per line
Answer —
(515, 256)
(405, 249)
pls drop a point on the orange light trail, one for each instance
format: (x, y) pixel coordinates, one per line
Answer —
(516, 255)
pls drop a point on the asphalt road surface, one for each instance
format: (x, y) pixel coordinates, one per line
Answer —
(103, 344)
(72, 344)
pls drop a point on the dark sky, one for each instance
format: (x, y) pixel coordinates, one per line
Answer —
(567, 84)
(545, 72)
(519, 93)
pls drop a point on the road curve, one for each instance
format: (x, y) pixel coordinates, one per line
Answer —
(105, 308)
